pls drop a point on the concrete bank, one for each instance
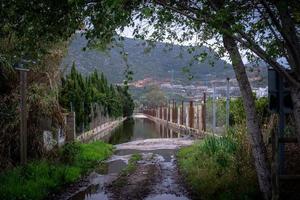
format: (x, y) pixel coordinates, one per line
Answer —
(101, 131)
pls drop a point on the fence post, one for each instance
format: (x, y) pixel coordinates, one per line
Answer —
(82, 125)
(23, 115)
(203, 113)
(182, 112)
(227, 103)
(198, 117)
(178, 115)
(168, 113)
(71, 133)
(191, 113)
(214, 109)
(160, 113)
(171, 113)
(175, 111)
(187, 116)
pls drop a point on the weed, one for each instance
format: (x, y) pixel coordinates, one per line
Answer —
(132, 163)
(39, 178)
(218, 168)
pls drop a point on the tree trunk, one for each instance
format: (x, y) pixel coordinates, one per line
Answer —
(255, 136)
(295, 93)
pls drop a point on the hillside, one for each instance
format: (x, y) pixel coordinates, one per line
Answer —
(157, 64)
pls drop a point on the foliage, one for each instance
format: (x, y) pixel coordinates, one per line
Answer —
(266, 30)
(29, 28)
(42, 104)
(83, 93)
(38, 179)
(237, 115)
(154, 97)
(237, 112)
(219, 168)
(156, 64)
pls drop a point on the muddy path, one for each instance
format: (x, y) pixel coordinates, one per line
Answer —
(155, 176)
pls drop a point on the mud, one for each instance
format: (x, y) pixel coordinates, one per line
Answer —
(137, 185)
(155, 177)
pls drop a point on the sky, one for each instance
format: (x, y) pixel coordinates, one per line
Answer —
(128, 32)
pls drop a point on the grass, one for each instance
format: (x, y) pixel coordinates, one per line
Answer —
(132, 164)
(129, 169)
(38, 179)
(219, 168)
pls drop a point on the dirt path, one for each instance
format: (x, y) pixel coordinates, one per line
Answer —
(155, 176)
(135, 186)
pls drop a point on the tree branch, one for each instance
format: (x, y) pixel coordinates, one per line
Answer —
(163, 3)
(294, 58)
(244, 40)
(250, 44)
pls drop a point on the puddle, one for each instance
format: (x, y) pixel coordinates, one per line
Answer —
(157, 149)
(166, 197)
(91, 193)
(116, 166)
(155, 144)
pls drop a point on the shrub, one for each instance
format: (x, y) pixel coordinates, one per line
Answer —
(237, 112)
(69, 152)
(39, 178)
(219, 168)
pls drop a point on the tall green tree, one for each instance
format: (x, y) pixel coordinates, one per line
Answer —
(82, 93)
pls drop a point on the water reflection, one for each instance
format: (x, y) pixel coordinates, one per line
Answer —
(130, 130)
(140, 128)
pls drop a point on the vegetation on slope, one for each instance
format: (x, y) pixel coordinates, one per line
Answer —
(39, 178)
(156, 63)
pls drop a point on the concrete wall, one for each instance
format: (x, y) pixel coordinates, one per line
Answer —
(101, 131)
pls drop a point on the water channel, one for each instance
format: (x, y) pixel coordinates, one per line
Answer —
(160, 153)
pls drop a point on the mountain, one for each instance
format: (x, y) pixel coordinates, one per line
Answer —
(160, 63)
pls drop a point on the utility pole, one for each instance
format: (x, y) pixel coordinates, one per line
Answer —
(83, 117)
(204, 112)
(281, 126)
(182, 112)
(227, 103)
(214, 109)
(23, 115)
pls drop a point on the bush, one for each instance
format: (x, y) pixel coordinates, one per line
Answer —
(237, 112)
(219, 168)
(39, 178)
(69, 152)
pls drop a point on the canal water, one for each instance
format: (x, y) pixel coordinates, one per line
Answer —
(156, 143)
(138, 129)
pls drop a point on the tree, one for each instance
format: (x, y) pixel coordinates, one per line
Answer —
(265, 30)
(262, 29)
(83, 92)
(28, 28)
(154, 97)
